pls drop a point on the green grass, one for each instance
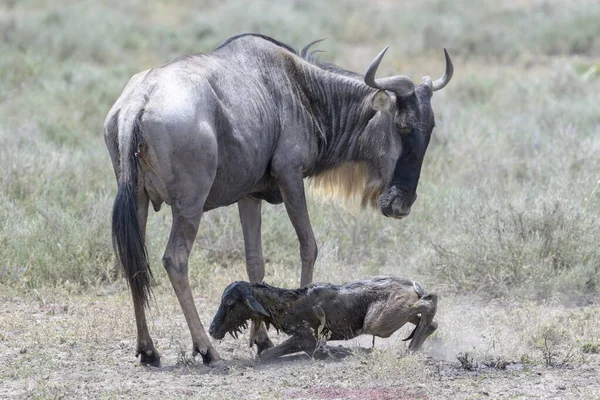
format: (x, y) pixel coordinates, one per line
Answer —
(506, 205)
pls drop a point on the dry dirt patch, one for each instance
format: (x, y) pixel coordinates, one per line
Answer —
(57, 345)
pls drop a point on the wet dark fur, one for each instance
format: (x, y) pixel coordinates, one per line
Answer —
(335, 312)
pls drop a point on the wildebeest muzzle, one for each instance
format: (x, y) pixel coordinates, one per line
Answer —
(396, 203)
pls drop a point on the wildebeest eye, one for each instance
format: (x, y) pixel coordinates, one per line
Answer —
(230, 302)
(404, 129)
(404, 122)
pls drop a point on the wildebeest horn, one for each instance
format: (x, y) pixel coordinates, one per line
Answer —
(304, 51)
(443, 81)
(401, 85)
(256, 306)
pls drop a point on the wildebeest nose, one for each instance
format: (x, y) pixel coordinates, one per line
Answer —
(400, 210)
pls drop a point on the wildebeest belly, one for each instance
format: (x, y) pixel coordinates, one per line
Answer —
(265, 189)
(270, 195)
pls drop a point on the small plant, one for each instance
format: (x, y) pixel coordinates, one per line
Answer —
(466, 361)
(591, 348)
(554, 346)
(497, 362)
(321, 350)
(184, 359)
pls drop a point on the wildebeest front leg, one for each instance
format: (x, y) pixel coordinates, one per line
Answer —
(175, 260)
(249, 210)
(292, 190)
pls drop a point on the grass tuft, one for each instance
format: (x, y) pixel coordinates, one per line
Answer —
(508, 200)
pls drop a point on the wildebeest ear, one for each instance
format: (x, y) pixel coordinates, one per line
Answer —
(256, 307)
(381, 101)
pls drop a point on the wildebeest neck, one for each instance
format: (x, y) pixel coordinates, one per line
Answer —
(276, 301)
(336, 105)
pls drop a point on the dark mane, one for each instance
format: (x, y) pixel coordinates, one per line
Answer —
(304, 54)
(264, 37)
(327, 66)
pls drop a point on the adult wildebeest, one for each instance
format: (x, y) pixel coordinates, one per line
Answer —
(378, 307)
(248, 122)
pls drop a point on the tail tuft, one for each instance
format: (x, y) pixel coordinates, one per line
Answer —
(129, 243)
(128, 240)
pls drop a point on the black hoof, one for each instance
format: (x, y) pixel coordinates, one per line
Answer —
(263, 344)
(150, 357)
(331, 352)
(322, 354)
(219, 365)
(210, 358)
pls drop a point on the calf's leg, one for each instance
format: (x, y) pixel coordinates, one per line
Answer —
(385, 317)
(426, 306)
(415, 321)
(295, 344)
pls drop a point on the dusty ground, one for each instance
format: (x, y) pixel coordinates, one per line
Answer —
(59, 345)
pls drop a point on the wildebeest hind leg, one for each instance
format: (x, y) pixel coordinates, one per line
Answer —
(145, 347)
(193, 170)
(249, 210)
(175, 260)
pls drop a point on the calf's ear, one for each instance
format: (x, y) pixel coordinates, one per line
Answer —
(256, 307)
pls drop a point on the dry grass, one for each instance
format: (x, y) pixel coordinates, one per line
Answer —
(54, 345)
(513, 160)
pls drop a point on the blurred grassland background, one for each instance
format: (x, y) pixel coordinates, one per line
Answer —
(509, 202)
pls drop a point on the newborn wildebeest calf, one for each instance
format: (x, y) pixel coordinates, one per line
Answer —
(377, 307)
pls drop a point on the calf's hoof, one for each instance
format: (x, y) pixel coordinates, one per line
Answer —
(265, 356)
(149, 357)
(325, 352)
(339, 352)
(263, 344)
(322, 353)
(218, 364)
(260, 338)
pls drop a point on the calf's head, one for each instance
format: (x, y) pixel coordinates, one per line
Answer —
(404, 109)
(236, 308)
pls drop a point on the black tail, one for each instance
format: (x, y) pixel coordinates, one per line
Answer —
(128, 241)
